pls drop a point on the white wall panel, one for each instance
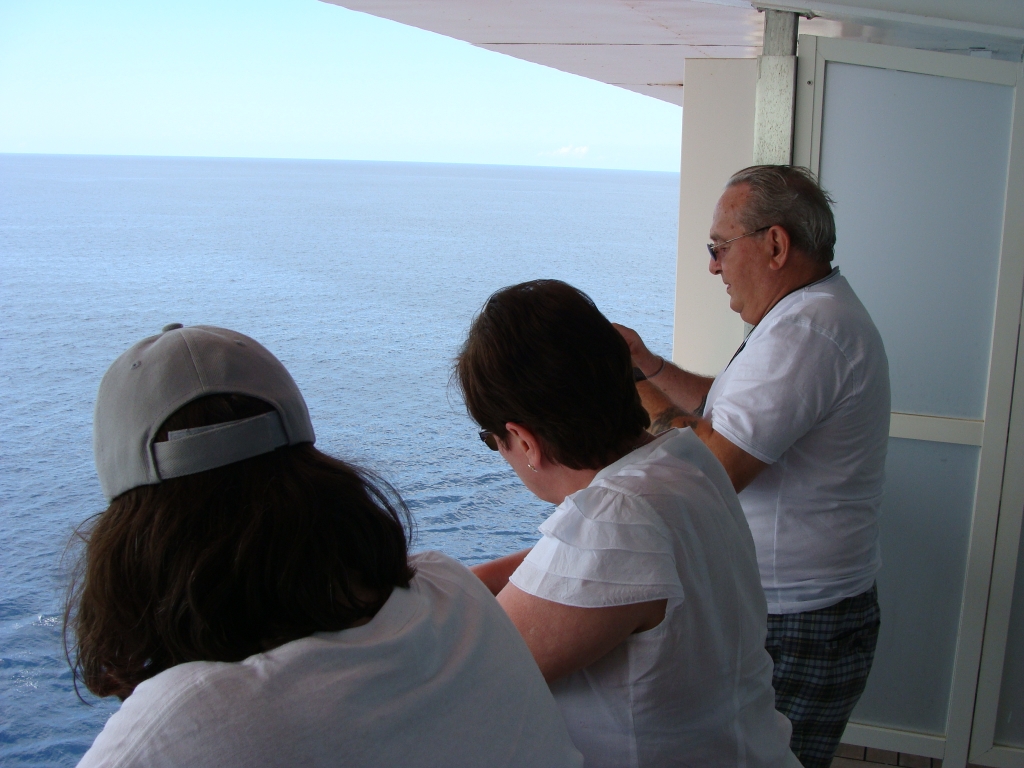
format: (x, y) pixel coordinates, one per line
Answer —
(718, 140)
(925, 526)
(917, 164)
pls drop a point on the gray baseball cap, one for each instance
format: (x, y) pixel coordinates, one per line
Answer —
(161, 374)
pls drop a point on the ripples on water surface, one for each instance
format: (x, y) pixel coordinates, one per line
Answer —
(361, 277)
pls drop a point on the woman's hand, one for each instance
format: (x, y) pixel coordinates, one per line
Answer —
(495, 574)
(564, 639)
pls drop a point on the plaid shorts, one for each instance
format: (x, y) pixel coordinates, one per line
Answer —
(822, 659)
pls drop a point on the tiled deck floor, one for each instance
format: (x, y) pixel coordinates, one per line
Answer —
(848, 756)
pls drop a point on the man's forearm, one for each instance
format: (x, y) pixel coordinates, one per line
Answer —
(673, 416)
(740, 465)
(666, 414)
(684, 389)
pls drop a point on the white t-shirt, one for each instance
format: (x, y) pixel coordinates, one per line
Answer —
(439, 677)
(664, 522)
(809, 395)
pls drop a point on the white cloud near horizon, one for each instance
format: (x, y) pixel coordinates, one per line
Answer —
(569, 151)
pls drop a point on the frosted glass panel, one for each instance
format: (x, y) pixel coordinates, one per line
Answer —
(1010, 720)
(917, 165)
(925, 526)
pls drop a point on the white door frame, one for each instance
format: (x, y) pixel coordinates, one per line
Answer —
(990, 433)
(983, 749)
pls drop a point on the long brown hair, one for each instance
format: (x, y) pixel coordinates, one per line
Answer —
(230, 562)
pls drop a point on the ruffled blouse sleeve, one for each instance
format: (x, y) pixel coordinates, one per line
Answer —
(601, 548)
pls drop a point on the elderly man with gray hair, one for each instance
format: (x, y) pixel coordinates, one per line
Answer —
(800, 420)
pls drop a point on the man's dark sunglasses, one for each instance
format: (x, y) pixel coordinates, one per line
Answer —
(490, 439)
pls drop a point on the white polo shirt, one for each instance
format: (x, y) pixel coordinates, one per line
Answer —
(809, 395)
(439, 677)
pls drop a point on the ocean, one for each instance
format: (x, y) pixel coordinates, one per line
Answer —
(361, 277)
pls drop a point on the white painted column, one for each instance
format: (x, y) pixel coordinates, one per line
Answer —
(718, 137)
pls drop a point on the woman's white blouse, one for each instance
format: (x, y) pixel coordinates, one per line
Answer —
(664, 523)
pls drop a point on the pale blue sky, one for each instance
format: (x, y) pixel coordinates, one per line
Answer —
(300, 78)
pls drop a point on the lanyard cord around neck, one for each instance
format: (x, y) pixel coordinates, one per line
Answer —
(699, 410)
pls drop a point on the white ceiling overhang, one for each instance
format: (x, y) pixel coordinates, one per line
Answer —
(642, 45)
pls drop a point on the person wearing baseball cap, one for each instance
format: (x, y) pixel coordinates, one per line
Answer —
(251, 600)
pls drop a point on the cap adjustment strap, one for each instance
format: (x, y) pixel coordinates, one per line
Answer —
(188, 451)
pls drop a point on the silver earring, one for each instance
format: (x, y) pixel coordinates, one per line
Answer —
(531, 466)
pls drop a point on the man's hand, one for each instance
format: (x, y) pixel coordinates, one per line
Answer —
(684, 389)
(643, 358)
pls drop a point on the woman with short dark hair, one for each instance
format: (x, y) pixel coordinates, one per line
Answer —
(252, 601)
(641, 603)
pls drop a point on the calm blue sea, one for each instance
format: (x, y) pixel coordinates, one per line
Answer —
(361, 277)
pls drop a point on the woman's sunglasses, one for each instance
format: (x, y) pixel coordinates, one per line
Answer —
(490, 439)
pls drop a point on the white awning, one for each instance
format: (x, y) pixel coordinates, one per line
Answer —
(642, 45)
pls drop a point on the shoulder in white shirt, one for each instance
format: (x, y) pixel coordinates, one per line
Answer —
(439, 677)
